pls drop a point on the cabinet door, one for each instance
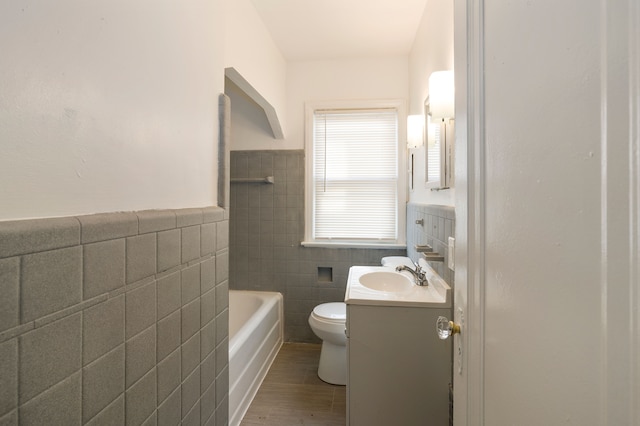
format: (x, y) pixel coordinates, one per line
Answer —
(399, 371)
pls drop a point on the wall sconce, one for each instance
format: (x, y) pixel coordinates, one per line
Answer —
(415, 131)
(441, 94)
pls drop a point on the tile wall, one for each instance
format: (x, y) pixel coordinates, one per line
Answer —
(117, 318)
(438, 224)
(266, 227)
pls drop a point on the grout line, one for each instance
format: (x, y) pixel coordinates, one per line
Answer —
(17, 366)
(20, 289)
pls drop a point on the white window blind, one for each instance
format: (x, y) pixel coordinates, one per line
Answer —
(433, 152)
(355, 175)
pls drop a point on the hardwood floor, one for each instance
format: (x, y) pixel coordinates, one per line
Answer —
(292, 393)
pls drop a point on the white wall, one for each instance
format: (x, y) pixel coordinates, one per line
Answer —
(365, 78)
(432, 51)
(108, 105)
(250, 49)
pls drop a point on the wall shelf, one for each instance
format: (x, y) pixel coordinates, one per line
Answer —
(266, 179)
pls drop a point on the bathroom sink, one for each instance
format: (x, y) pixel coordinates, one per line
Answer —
(387, 281)
(384, 286)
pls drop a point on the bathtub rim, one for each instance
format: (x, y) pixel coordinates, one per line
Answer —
(275, 300)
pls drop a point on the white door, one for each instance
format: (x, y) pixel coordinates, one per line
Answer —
(547, 201)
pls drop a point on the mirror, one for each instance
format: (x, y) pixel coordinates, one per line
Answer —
(439, 137)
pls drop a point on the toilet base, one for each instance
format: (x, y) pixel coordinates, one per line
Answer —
(333, 364)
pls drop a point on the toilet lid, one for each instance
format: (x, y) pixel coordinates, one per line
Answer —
(334, 310)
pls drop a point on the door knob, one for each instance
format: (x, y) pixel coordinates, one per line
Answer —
(446, 328)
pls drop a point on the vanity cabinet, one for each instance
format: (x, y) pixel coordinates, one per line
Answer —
(398, 371)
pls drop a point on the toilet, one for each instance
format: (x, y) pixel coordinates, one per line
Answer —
(395, 261)
(328, 322)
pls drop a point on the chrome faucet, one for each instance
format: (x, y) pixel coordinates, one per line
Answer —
(418, 274)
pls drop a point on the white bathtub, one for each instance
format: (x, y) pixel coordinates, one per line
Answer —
(256, 330)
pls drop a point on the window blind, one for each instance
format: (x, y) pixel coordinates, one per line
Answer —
(433, 152)
(355, 175)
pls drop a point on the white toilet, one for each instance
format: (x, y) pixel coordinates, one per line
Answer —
(394, 261)
(328, 322)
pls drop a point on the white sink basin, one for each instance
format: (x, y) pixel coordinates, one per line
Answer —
(384, 286)
(392, 282)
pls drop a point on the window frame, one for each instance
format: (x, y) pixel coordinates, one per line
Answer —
(402, 184)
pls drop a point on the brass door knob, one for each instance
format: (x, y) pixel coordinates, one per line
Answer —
(446, 328)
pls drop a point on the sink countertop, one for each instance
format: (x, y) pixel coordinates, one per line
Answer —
(436, 295)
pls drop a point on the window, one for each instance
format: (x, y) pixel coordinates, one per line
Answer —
(433, 152)
(355, 190)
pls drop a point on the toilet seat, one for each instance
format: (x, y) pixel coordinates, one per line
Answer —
(331, 312)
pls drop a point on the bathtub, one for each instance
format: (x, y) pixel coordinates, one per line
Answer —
(256, 330)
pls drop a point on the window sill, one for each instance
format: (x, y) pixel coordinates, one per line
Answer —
(344, 244)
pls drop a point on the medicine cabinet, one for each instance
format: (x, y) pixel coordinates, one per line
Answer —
(439, 161)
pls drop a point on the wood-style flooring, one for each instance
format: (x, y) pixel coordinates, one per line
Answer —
(292, 393)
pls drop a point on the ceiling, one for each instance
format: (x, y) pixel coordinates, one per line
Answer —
(333, 29)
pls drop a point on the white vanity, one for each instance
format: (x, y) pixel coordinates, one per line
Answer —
(398, 370)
